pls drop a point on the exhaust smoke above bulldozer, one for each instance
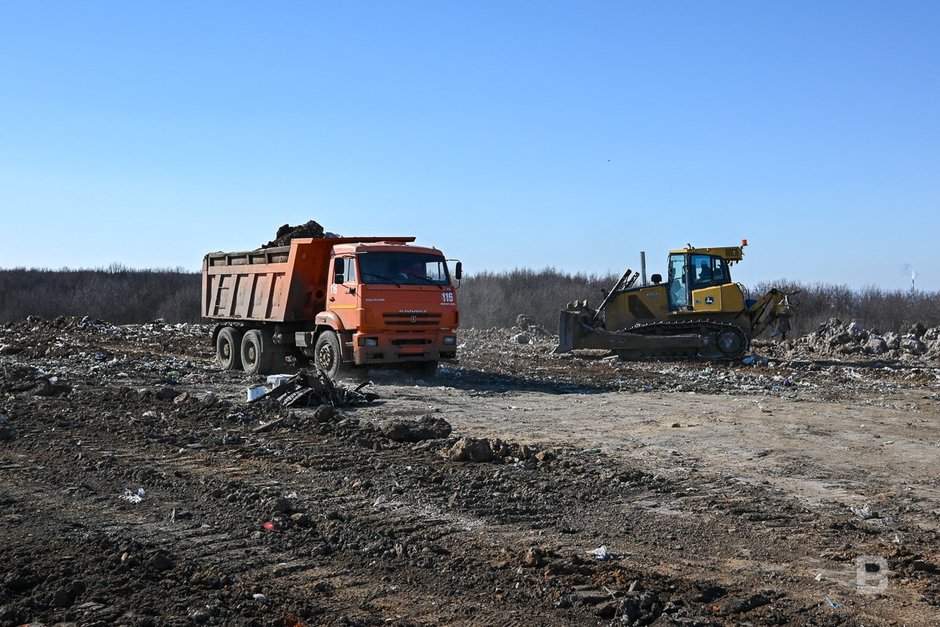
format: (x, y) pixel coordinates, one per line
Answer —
(698, 312)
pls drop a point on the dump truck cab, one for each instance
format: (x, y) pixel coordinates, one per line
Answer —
(391, 302)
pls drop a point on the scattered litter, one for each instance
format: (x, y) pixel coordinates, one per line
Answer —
(308, 388)
(864, 512)
(134, 497)
(267, 426)
(256, 392)
(819, 577)
(602, 554)
(260, 598)
(752, 360)
(272, 526)
(833, 604)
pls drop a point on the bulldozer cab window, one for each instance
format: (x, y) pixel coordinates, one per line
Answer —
(707, 271)
(678, 284)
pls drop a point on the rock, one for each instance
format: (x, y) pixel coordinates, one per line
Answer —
(917, 330)
(7, 433)
(65, 597)
(892, 340)
(199, 616)
(166, 393)
(427, 428)
(302, 520)
(876, 345)
(913, 346)
(324, 413)
(534, 558)
(544, 456)
(282, 505)
(521, 338)
(855, 331)
(630, 609)
(523, 321)
(160, 561)
(470, 450)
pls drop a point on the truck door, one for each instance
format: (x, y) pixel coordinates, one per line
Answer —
(343, 291)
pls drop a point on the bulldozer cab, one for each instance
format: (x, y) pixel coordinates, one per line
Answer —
(690, 271)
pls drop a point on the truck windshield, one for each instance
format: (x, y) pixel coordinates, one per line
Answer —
(403, 269)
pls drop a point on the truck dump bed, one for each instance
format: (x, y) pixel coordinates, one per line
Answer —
(282, 284)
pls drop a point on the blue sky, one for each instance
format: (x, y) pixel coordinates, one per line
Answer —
(509, 134)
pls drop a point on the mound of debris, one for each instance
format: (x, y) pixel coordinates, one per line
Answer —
(835, 337)
(309, 388)
(287, 232)
(480, 450)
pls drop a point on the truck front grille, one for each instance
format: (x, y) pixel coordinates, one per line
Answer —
(412, 319)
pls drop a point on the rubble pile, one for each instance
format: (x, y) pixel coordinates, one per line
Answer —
(85, 339)
(311, 387)
(287, 232)
(838, 338)
(480, 450)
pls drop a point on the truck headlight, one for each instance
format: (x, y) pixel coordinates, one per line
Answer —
(450, 340)
(368, 341)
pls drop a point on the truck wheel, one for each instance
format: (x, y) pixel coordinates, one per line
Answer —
(228, 346)
(256, 353)
(327, 356)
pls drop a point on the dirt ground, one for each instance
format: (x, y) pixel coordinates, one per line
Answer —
(137, 487)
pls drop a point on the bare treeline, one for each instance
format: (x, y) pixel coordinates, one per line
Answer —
(115, 294)
(871, 307)
(487, 299)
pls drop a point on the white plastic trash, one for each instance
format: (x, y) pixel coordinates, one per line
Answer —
(275, 380)
(256, 392)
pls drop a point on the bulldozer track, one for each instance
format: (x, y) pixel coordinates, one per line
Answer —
(715, 330)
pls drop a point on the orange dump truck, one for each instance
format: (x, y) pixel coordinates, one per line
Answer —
(333, 301)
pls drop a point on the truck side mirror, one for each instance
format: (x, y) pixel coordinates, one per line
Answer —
(458, 271)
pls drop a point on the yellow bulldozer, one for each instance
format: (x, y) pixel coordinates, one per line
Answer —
(698, 312)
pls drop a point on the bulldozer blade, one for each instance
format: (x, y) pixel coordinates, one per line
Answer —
(567, 322)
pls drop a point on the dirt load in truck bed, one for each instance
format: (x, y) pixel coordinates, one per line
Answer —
(137, 487)
(287, 232)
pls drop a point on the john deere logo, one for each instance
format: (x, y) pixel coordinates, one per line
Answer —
(709, 300)
(414, 319)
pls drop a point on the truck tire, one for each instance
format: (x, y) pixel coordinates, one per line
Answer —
(256, 353)
(326, 354)
(228, 347)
